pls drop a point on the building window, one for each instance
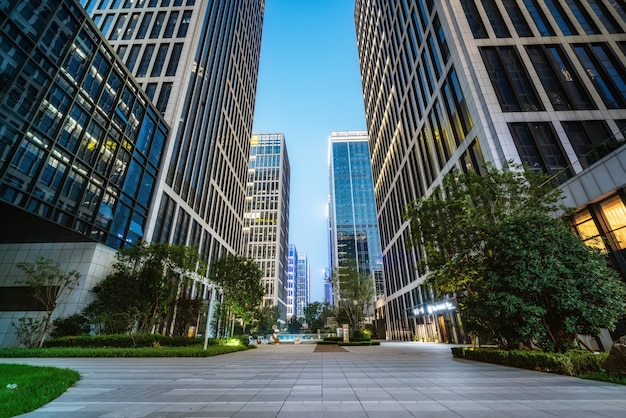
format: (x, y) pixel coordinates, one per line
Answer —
(106, 24)
(589, 140)
(171, 25)
(132, 57)
(588, 231)
(117, 29)
(510, 81)
(164, 97)
(159, 60)
(605, 72)
(517, 18)
(607, 19)
(130, 29)
(582, 16)
(142, 70)
(145, 24)
(184, 24)
(495, 18)
(540, 149)
(614, 213)
(566, 26)
(559, 78)
(473, 18)
(538, 17)
(174, 59)
(158, 24)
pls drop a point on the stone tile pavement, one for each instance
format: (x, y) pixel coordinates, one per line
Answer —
(397, 379)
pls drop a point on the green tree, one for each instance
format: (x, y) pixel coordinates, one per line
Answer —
(543, 284)
(146, 289)
(316, 314)
(453, 224)
(51, 287)
(356, 294)
(240, 280)
(467, 231)
(264, 319)
(294, 325)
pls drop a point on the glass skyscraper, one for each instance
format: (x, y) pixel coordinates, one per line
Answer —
(303, 285)
(452, 84)
(353, 224)
(80, 150)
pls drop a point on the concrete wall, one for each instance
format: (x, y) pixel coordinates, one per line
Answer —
(94, 262)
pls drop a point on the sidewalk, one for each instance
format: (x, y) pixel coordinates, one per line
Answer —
(393, 380)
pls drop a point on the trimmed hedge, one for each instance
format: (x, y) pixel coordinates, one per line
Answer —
(572, 363)
(333, 339)
(357, 343)
(192, 351)
(127, 341)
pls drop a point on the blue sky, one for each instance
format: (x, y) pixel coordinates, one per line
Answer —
(309, 86)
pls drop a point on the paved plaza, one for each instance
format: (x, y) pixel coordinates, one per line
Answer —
(393, 380)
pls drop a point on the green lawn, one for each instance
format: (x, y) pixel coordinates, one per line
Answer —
(35, 387)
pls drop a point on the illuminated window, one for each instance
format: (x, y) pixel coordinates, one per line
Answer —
(588, 231)
(615, 215)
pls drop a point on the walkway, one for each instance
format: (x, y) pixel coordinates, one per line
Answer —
(393, 380)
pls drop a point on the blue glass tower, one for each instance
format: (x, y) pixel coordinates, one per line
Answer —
(354, 235)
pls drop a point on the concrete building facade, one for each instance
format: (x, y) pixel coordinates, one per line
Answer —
(266, 217)
(198, 62)
(455, 83)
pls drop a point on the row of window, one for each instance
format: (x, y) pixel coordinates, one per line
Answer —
(163, 24)
(218, 71)
(572, 17)
(90, 158)
(91, 5)
(540, 148)
(562, 82)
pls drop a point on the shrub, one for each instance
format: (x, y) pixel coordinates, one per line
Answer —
(359, 343)
(126, 341)
(359, 335)
(333, 339)
(571, 363)
(75, 324)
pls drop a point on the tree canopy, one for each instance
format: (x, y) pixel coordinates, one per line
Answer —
(146, 290)
(316, 314)
(240, 280)
(356, 295)
(519, 275)
(51, 286)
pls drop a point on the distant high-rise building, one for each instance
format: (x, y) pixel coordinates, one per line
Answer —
(303, 285)
(354, 234)
(292, 280)
(80, 151)
(266, 229)
(455, 83)
(198, 62)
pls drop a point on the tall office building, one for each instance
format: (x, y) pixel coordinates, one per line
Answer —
(80, 150)
(451, 84)
(266, 218)
(198, 62)
(292, 280)
(303, 285)
(354, 237)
